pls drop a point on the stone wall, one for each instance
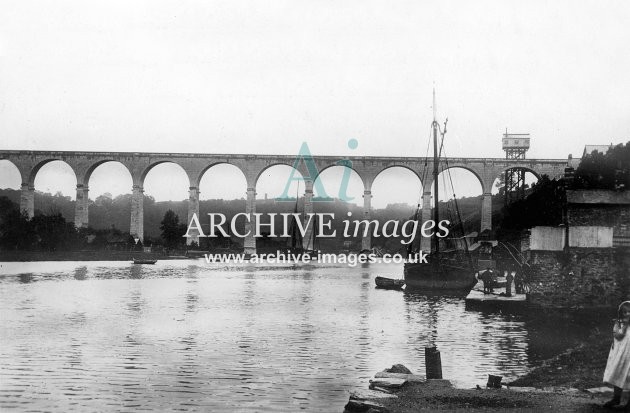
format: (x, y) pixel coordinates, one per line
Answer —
(601, 208)
(598, 215)
(599, 278)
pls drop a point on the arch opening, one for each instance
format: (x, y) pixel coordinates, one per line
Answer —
(277, 192)
(344, 190)
(396, 187)
(166, 181)
(280, 182)
(464, 186)
(165, 185)
(222, 189)
(283, 175)
(222, 181)
(109, 186)
(396, 193)
(529, 178)
(341, 183)
(10, 177)
(55, 189)
(110, 178)
(10, 183)
(459, 182)
(541, 207)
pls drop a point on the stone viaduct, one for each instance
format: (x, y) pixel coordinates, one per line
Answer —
(367, 167)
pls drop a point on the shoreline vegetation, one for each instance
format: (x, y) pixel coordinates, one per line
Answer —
(98, 255)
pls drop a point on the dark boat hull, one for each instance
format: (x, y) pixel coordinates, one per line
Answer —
(439, 275)
(135, 261)
(389, 283)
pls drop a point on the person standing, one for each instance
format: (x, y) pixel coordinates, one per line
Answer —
(483, 276)
(617, 371)
(508, 283)
(518, 282)
(488, 281)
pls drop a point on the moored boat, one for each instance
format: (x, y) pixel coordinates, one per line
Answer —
(143, 261)
(439, 274)
(441, 270)
(389, 283)
(297, 245)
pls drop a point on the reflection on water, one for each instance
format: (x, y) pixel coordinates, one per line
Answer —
(186, 335)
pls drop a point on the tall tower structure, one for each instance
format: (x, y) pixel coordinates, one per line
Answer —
(515, 146)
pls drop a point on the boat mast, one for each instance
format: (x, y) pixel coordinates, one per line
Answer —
(296, 238)
(436, 212)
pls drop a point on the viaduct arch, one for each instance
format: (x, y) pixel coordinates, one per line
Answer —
(251, 165)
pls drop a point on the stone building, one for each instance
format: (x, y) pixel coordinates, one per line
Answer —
(585, 263)
(601, 208)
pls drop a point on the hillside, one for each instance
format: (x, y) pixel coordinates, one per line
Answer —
(106, 212)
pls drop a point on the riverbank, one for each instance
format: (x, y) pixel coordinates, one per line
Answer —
(580, 367)
(432, 396)
(559, 383)
(25, 256)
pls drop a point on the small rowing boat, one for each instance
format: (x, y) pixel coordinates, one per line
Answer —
(389, 283)
(143, 261)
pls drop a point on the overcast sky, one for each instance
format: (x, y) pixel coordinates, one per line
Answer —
(264, 76)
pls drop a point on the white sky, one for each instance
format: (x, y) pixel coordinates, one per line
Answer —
(264, 76)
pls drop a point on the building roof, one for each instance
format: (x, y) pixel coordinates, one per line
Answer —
(589, 149)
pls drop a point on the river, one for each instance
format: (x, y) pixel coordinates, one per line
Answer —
(187, 335)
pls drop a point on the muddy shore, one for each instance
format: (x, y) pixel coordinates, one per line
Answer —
(558, 384)
(431, 397)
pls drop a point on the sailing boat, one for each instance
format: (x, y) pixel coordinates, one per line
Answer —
(296, 244)
(312, 245)
(441, 271)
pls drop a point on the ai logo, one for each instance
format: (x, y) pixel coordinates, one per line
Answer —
(312, 173)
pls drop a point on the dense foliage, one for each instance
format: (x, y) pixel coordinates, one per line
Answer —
(610, 170)
(172, 231)
(543, 207)
(109, 219)
(43, 232)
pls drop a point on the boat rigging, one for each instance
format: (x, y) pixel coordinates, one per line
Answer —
(444, 270)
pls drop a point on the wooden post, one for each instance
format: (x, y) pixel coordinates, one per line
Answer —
(433, 363)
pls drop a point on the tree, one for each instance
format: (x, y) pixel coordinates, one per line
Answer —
(545, 203)
(610, 170)
(16, 231)
(172, 231)
(55, 233)
(500, 184)
(542, 207)
(6, 206)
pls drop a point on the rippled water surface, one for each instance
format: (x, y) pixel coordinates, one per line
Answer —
(185, 335)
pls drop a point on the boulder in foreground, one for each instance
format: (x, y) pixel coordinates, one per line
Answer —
(398, 368)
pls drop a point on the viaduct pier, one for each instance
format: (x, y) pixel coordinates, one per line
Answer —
(252, 166)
